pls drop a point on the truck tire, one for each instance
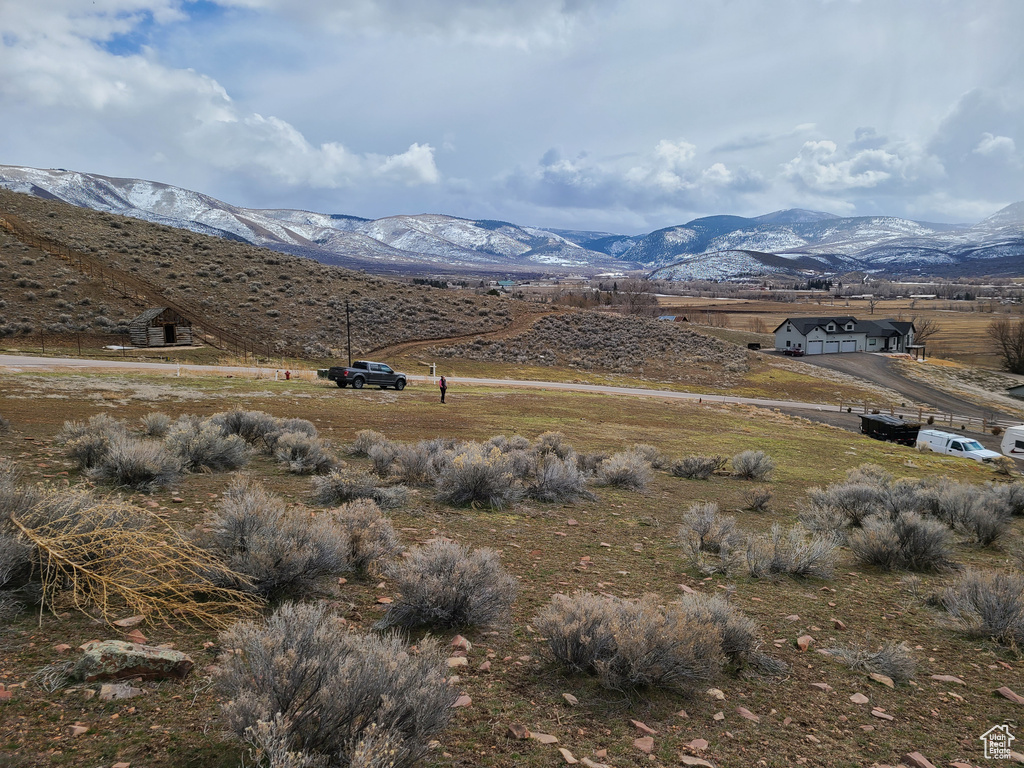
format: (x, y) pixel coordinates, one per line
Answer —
(400, 385)
(358, 382)
(340, 383)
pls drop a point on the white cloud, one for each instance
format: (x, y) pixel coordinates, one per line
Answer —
(53, 58)
(996, 145)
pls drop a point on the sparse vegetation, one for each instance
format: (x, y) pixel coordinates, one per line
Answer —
(632, 644)
(444, 585)
(752, 465)
(300, 685)
(795, 552)
(628, 470)
(274, 552)
(697, 467)
(894, 660)
(988, 604)
(478, 476)
(372, 541)
(200, 446)
(906, 542)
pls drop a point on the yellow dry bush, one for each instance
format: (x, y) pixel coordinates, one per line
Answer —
(114, 557)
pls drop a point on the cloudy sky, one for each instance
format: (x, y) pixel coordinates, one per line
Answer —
(613, 115)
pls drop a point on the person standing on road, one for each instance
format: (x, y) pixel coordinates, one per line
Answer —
(443, 384)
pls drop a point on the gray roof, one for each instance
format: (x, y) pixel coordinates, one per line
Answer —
(882, 328)
(148, 315)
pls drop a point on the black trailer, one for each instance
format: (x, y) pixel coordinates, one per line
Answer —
(882, 426)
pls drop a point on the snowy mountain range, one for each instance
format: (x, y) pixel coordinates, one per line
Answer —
(791, 242)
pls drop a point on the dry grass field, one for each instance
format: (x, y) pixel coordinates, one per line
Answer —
(621, 543)
(962, 325)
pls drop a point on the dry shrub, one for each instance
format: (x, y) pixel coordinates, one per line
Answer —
(757, 499)
(5, 425)
(255, 427)
(1005, 466)
(136, 464)
(631, 644)
(752, 465)
(796, 553)
(704, 530)
(414, 464)
(155, 424)
(444, 585)
(338, 698)
(383, 456)
(895, 660)
(551, 443)
(371, 538)
(652, 455)
(846, 504)
(558, 480)
(116, 558)
(697, 467)
(346, 484)
(88, 444)
(988, 604)
(478, 476)
(741, 642)
(1010, 496)
(199, 445)
(303, 455)
(627, 469)
(589, 462)
(905, 542)
(365, 440)
(273, 551)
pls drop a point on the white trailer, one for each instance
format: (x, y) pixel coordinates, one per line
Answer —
(1013, 442)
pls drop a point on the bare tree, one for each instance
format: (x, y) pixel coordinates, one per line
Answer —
(1008, 338)
(924, 328)
(637, 296)
(871, 304)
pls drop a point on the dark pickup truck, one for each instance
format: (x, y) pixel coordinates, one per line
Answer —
(882, 426)
(365, 372)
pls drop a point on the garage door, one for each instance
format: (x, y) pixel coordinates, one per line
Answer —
(814, 347)
(848, 346)
(831, 346)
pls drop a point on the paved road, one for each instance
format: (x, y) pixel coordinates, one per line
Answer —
(30, 363)
(882, 370)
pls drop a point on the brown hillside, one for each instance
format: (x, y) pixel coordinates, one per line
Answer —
(76, 272)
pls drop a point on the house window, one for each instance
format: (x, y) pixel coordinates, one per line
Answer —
(789, 329)
(849, 326)
(872, 342)
(831, 327)
(788, 343)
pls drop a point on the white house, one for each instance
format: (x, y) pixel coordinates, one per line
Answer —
(824, 335)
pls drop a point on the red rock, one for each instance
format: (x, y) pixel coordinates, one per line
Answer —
(747, 714)
(643, 727)
(485, 667)
(131, 621)
(62, 648)
(517, 731)
(136, 637)
(570, 521)
(77, 730)
(586, 761)
(115, 691)
(838, 624)
(823, 686)
(567, 756)
(859, 698)
(698, 745)
(793, 617)
(948, 679)
(463, 701)
(917, 760)
(883, 679)
(804, 642)
(571, 700)
(691, 760)
(5, 695)
(462, 643)
(645, 744)
(881, 715)
(385, 600)
(1008, 694)
(544, 738)
(688, 590)
(682, 713)
(121, 765)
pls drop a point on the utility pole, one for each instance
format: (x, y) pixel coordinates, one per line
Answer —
(348, 331)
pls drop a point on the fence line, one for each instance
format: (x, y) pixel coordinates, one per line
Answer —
(138, 291)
